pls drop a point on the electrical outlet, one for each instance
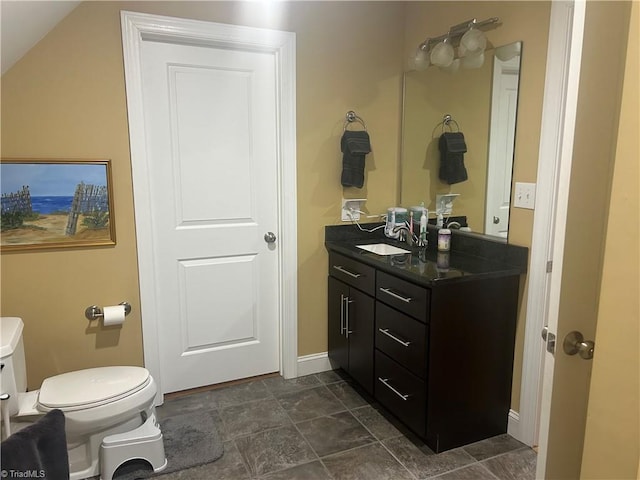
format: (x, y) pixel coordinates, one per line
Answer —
(351, 208)
(525, 195)
(444, 203)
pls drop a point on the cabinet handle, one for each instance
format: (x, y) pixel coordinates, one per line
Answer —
(342, 297)
(390, 335)
(395, 295)
(385, 382)
(340, 268)
(347, 301)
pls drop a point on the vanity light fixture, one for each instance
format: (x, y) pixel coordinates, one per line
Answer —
(440, 51)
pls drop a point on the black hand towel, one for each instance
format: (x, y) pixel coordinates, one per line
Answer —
(452, 149)
(354, 145)
(39, 450)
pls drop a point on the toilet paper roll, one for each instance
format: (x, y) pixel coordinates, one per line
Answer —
(113, 315)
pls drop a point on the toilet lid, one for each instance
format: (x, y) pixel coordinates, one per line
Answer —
(91, 387)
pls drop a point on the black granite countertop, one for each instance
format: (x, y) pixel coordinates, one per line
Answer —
(471, 256)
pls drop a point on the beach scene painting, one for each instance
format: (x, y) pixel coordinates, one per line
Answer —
(55, 204)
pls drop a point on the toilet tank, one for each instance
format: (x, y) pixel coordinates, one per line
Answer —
(13, 373)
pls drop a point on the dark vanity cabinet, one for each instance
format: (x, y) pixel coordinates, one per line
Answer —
(351, 318)
(446, 370)
(438, 355)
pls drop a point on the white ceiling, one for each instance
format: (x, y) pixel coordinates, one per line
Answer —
(23, 23)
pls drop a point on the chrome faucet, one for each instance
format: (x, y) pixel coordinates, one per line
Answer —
(405, 235)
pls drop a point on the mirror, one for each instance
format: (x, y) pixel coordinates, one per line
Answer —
(482, 103)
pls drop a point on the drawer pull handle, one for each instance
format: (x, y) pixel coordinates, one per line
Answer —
(391, 335)
(395, 295)
(340, 268)
(385, 381)
(342, 315)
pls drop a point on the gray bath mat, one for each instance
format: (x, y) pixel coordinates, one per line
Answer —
(190, 439)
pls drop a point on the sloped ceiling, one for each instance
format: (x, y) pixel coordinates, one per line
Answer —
(24, 23)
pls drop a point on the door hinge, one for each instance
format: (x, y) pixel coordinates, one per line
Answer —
(549, 266)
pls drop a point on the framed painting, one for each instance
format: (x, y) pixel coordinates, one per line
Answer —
(55, 204)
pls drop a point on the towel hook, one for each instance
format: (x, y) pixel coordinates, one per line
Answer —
(447, 120)
(351, 117)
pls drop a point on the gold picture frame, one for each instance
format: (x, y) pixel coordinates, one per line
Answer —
(55, 203)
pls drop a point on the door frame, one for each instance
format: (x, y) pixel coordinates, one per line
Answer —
(138, 27)
(552, 192)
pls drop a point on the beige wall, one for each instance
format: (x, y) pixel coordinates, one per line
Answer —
(529, 22)
(66, 98)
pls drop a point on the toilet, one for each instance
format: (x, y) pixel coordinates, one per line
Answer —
(109, 411)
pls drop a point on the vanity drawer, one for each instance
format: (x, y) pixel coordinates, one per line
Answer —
(402, 338)
(402, 295)
(401, 392)
(352, 272)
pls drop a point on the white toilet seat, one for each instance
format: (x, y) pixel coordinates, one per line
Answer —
(92, 387)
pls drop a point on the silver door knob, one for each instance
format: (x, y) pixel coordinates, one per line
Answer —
(270, 237)
(574, 343)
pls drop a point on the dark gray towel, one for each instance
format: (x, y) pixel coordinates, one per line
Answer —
(39, 450)
(452, 149)
(354, 145)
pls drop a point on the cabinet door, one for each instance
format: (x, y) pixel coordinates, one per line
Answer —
(360, 321)
(338, 343)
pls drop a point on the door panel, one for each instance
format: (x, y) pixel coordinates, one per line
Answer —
(235, 319)
(338, 343)
(612, 435)
(360, 323)
(204, 141)
(210, 115)
(579, 257)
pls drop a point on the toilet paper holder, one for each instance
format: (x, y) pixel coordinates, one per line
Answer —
(95, 312)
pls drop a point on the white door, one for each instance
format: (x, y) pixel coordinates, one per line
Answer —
(504, 103)
(211, 142)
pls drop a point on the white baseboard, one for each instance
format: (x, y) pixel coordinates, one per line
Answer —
(513, 425)
(314, 363)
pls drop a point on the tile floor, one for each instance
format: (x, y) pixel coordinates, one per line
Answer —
(320, 427)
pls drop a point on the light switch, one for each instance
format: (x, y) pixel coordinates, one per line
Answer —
(525, 195)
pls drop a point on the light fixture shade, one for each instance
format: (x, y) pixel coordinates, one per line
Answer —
(420, 59)
(507, 52)
(453, 68)
(442, 54)
(473, 41)
(475, 60)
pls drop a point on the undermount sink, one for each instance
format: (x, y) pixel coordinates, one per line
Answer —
(383, 249)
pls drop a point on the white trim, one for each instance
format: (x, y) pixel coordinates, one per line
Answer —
(554, 167)
(314, 363)
(551, 141)
(513, 424)
(135, 26)
(572, 31)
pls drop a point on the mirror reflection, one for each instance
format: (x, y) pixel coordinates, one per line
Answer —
(482, 103)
